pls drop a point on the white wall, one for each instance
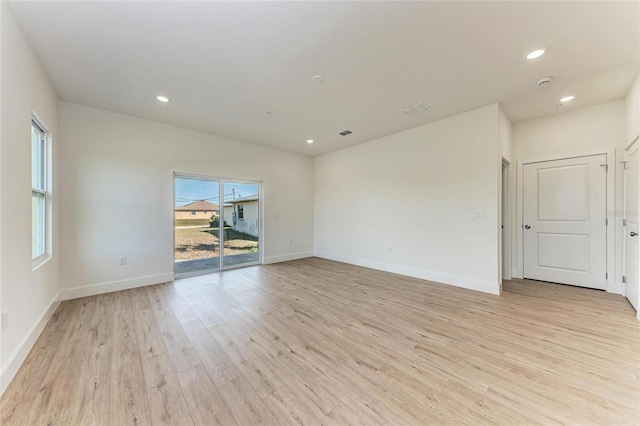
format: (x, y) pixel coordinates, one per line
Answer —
(27, 295)
(116, 169)
(633, 112)
(592, 129)
(504, 135)
(437, 175)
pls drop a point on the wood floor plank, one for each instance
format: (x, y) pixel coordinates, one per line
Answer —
(52, 403)
(252, 367)
(220, 367)
(84, 315)
(288, 402)
(311, 393)
(179, 305)
(167, 405)
(245, 405)
(206, 405)
(140, 299)
(203, 311)
(100, 326)
(95, 370)
(182, 352)
(128, 392)
(149, 336)
(159, 300)
(320, 342)
(94, 390)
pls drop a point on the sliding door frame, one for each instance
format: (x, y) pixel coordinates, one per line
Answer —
(221, 181)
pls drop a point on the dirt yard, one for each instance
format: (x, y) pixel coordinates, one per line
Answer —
(203, 243)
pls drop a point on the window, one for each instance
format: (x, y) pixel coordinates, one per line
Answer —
(240, 212)
(193, 212)
(38, 190)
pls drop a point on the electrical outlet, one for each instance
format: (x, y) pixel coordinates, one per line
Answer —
(123, 261)
(5, 319)
(390, 249)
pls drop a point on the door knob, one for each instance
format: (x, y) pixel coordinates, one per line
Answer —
(527, 227)
(633, 234)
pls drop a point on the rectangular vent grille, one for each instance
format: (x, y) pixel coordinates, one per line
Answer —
(416, 109)
(345, 133)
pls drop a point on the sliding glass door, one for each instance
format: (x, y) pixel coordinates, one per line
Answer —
(242, 214)
(214, 231)
(196, 218)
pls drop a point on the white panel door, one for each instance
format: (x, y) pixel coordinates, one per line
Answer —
(631, 192)
(564, 223)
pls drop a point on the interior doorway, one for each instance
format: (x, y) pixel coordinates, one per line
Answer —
(564, 221)
(217, 224)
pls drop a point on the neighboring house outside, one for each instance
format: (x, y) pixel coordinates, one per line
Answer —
(228, 214)
(243, 213)
(198, 211)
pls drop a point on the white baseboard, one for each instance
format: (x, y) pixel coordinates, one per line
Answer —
(92, 290)
(287, 257)
(17, 358)
(471, 284)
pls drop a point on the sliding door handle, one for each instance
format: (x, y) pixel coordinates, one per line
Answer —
(633, 234)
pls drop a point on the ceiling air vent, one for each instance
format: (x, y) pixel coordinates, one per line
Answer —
(416, 109)
(345, 133)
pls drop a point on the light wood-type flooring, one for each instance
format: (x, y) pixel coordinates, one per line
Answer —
(319, 342)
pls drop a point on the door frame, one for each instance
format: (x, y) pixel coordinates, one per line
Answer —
(624, 230)
(613, 284)
(504, 226)
(221, 181)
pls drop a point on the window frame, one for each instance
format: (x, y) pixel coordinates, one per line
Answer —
(241, 212)
(42, 191)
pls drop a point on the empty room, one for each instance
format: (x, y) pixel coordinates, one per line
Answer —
(319, 212)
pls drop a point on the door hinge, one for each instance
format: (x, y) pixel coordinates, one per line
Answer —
(606, 167)
(624, 279)
(606, 276)
(606, 222)
(624, 164)
(624, 222)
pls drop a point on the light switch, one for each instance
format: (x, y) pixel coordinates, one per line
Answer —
(478, 215)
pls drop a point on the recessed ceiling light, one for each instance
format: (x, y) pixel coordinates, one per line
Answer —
(567, 98)
(535, 54)
(309, 141)
(162, 99)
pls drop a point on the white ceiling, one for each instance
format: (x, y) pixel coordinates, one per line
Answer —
(225, 64)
